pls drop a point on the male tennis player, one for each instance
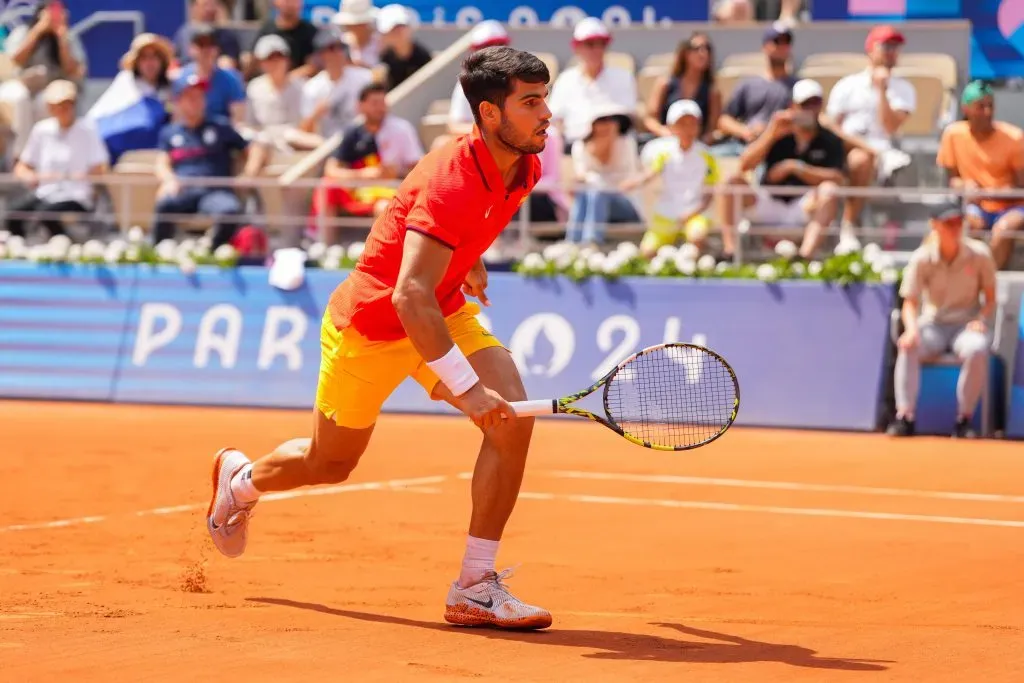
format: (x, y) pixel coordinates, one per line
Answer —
(402, 312)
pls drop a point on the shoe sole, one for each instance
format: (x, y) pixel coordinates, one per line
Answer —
(463, 615)
(217, 462)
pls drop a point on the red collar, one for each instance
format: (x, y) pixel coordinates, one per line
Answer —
(488, 168)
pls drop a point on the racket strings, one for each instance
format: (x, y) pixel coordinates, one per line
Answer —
(672, 396)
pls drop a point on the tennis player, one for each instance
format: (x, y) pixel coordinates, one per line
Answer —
(403, 312)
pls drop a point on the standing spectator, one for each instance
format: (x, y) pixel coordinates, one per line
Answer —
(330, 100)
(692, 78)
(42, 51)
(225, 93)
(357, 18)
(402, 55)
(61, 153)
(984, 154)
(580, 88)
(212, 13)
(382, 147)
(460, 115)
(603, 160)
(296, 31)
(942, 311)
(797, 152)
(196, 145)
(873, 104)
(756, 99)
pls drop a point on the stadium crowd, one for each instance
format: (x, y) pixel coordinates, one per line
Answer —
(227, 110)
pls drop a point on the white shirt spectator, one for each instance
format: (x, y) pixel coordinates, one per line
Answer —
(574, 94)
(622, 164)
(67, 153)
(459, 110)
(856, 99)
(685, 175)
(343, 95)
(270, 107)
(398, 143)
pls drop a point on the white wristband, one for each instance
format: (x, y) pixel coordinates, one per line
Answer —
(455, 371)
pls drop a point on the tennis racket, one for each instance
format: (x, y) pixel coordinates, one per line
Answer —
(669, 397)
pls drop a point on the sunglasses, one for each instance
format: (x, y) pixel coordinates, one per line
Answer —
(700, 47)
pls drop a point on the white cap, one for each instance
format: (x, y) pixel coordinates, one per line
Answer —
(681, 108)
(271, 44)
(488, 33)
(60, 91)
(355, 12)
(590, 28)
(391, 17)
(807, 89)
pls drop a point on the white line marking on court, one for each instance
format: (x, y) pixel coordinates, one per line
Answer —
(771, 509)
(781, 486)
(404, 485)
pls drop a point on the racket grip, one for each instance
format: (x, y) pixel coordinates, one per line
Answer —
(541, 407)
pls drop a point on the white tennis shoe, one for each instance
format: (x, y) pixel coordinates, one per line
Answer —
(226, 520)
(489, 603)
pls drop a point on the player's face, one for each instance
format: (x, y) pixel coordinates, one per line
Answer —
(525, 118)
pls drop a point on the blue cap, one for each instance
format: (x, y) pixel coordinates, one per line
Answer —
(185, 82)
(776, 31)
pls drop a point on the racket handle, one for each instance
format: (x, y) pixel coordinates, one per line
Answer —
(541, 407)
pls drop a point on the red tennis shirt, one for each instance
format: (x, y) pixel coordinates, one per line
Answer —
(454, 195)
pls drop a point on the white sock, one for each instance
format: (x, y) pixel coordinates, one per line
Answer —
(242, 487)
(478, 560)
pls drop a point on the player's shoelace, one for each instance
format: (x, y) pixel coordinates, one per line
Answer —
(498, 580)
(237, 518)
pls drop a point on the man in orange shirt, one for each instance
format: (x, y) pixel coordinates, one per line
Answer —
(983, 154)
(402, 312)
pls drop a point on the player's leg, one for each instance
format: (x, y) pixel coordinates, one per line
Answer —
(932, 341)
(973, 349)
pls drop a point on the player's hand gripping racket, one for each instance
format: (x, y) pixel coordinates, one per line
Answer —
(669, 397)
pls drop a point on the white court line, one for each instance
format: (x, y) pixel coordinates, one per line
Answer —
(780, 486)
(414, 486)
(771, 509)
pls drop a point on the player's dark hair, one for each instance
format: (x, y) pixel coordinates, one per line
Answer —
(489, 75)
(371, 88)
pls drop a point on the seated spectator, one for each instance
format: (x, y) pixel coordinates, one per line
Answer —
(197, 145)
(460, 115)
(692, 78)
(687, 169)
(330, 100)
(212, 13)
(382, 147)
(402, 55)
(943, 287)
(858, 107)
(225, 92)
(983, 154)
(275, 102)
(288, 23)
(590, 83)
(61, 153)
(130, 113)
(756, 99)
(357, 18)
(796, 152)
(548, 203)
(603, 161)
(42, 51)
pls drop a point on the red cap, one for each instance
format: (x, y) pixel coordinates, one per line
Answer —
(883, 34)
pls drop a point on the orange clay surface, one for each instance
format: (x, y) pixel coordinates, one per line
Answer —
(657, 567)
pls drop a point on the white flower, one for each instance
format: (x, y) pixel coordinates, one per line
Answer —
(883, 262)
(689, 251)
(848, 244)
(722, 267)
(187, 246)
(114, 251)
(667, 252)
(187, 265)
(4, 236)
(786, 249)
(136, 234)
(596, 261)
(166, 250)
(355, 250)
(613, 265)
(3, 251)
(856, 269)
(766, 273)
(814, 268)
(93, 250)
(202, 249)
(225, 252)
(890, 276)
(37, 253)
(564, 259)
(798, 268)
(656, 264)
(492, 255)
(706, 263)
(132, 253)
(533, 262)
(684, 264)
(332, 261)
(317, 251)
(335, 252)
(75, 253)
(628, 250)
(579, 267)
(59, 244)
(585, 252)
(552, 251)
(871, 252)
(16, 247)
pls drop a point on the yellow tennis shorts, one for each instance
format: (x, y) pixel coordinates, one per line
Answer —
(664, 231)
(357, 375)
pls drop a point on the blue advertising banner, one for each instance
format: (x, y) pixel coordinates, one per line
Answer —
(807, 355)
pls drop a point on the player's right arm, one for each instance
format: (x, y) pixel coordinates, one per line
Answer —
(425, 260)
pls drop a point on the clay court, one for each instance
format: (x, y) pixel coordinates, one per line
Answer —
(766, 556)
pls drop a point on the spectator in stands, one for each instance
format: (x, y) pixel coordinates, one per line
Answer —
(402, 55)
(549, 202)
(196, 145)
(796, 152)
(225, 92)
(61, 153)
(357, 18)
(686, 168)
(733, 11)
(42, 51)
(460, 115)
(381, 147)
(873, 104)
(603, 161)
(590, 83)
(980, 154)
(943, 287)
(330, 100)
(296, 31)
(692, 78)
(212, 13)
(756, 99)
